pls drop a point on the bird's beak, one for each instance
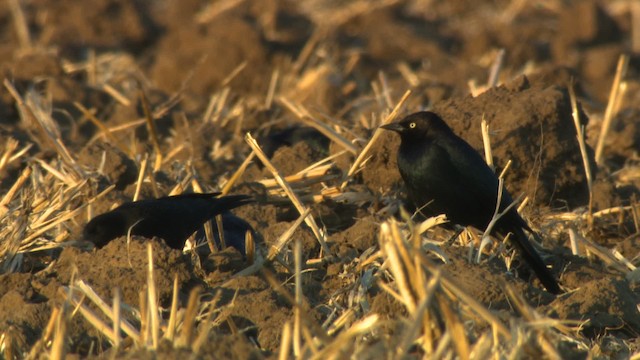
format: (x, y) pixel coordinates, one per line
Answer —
(394, 126)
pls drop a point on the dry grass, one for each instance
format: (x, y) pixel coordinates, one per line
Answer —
(436, 321)
(438, 312)
(615, 97)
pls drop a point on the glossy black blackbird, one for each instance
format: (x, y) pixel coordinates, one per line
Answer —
(172, 218)
(445, 175)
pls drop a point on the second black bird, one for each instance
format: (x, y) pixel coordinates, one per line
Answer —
(445, 175)
(172, 218)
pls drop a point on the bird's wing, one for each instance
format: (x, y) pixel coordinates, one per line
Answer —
(469, 164)
(474, 181)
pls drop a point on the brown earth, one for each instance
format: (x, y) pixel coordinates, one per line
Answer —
(204, 71)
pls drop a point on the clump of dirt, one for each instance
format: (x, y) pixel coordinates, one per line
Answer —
(603, 304)
(357, 238)
(225, 347)
(274, 310)
(585, 41)
(292, 159)
(486, 280)
(381, 172)
(100, 24)
(625, 140)
(112, 163)
(188, 55)
(127, 268)
(23, 307)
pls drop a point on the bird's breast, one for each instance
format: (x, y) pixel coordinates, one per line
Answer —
(417, 164)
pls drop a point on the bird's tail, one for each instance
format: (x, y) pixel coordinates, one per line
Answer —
(534, 260)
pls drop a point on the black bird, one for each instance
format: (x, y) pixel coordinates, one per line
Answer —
(172, 218)
(445, 175)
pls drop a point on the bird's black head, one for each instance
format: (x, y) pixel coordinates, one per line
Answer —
(104, 228)
(422, 125)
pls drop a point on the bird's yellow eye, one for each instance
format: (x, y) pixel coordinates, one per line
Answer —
(412, 125)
